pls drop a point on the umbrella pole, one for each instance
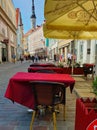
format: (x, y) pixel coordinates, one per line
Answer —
(73, 57)
(72, 67)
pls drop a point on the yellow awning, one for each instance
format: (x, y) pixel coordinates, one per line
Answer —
(64, 42)
(75, 15)
(64, 34)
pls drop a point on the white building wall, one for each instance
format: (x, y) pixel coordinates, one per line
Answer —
(84, 52)
(36, 40)
(84, 57)
(53, 44)
(92, 56)
(78, 51)
(81, 46)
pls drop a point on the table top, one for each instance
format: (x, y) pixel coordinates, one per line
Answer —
(20, 90)
(25, 76)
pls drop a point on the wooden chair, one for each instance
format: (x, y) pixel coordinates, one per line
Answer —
(47, 94)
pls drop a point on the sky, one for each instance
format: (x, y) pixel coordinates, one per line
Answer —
(26, 12)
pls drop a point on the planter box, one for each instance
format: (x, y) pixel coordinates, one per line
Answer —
(67, 70)
(78, 71)
(86, 112)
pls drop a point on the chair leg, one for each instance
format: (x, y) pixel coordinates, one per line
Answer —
(32, 120)
(57, 108)
(64, 112)
(54, 121)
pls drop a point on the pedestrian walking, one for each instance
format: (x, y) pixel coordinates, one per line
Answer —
(36, 58)
(54, 57)
(69, 57)
(21, 58)
(13, 58)
(32, 58)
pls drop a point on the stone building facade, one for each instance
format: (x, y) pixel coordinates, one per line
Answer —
(7, 30)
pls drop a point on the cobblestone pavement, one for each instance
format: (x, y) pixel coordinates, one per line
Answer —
(16, 117)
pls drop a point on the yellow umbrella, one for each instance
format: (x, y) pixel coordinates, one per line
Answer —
(64, 34)
(71, 15)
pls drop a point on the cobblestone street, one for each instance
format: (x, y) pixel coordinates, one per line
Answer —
(16, 117)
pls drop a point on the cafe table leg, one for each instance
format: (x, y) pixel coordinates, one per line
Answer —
(54, 120)
(32, 120)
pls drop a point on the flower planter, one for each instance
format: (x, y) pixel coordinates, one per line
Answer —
(78, 71)
(67, 70)
(86, 112)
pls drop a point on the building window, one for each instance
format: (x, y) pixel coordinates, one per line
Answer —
(81, 51)
(96, 50)
(3, 31)
(88, 51)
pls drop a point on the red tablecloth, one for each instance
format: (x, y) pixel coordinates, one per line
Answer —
(55, 69)
(88, 65)
(66, 70)
(20, 90)
(42, 65)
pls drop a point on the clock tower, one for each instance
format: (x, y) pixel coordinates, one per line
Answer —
(33, 16)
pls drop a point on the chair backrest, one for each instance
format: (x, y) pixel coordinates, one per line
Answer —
(42, 65)
(45, 71)
(46, 92)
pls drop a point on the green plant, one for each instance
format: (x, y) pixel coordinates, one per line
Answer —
(94, 86)
(77, 65)
(60, 65)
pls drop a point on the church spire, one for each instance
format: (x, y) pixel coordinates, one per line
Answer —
(33, 16)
